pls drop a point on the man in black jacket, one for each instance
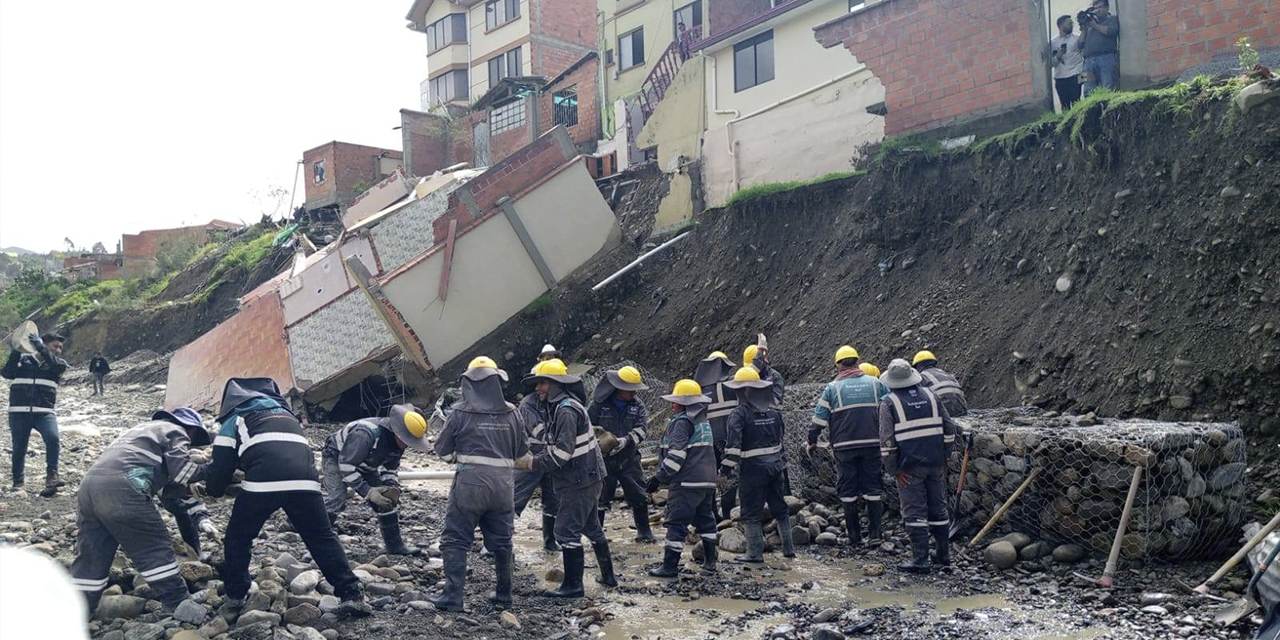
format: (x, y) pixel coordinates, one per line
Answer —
(259, 435)
(32, 395)
(688, 468)
(754, 451)
(616, 410)
(99, 368)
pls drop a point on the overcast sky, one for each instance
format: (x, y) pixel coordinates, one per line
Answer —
(122, 116)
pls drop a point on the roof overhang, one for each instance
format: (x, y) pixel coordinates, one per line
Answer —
(780, 14)
(510, 90)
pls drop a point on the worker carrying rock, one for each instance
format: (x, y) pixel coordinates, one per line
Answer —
(573, 459)
(713, 371)
(484, 436)
(942, 384)
(849, 410)
(365, 456)
(622, 420)
(915, 433)
(114, 506)
(533, 413)
(259, 436)
(36, 371)
(754, 453)
(687, 465)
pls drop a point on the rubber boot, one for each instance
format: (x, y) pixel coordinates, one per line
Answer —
(784, 532)
(501, 595)
(455, 577)
(354, 607)
(643, 532)
(755, 543)
(942, 545)
(875, 513)
(230, 611)
(853, 524)
(389, 523)
(572, 585)
(51, 484)
(919, 551)
(549, 543)
(605, 560)
(670, 567)
(710, 554)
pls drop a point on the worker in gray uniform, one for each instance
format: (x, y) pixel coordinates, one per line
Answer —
(754, 453)
(616, 410)
(713, 371)
(114, 506)
(687, 465)
(573, 459)
(365, 456)
(483, 436)
(533, 411)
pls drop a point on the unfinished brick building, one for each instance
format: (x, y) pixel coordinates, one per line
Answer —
(337, 172)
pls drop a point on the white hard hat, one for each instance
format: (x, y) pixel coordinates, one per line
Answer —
(549, 348)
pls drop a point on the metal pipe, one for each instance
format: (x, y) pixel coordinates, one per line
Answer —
(637, 261)
(426, 475)
(821, 85)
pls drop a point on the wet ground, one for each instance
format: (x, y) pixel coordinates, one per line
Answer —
(826, 592)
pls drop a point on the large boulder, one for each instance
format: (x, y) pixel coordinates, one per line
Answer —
(732, 541)
(113, 607)
(1001, 555)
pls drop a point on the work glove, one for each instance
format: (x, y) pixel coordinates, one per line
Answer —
(208, 530)
(808, 449)
(524, 462)
(36, 342)
(727, 472)
(652, 485)
(622, 444)
(381, 499)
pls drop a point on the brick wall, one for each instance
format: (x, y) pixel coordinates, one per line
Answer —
(512, 175)
(1181, 34)
(345, 166)
(561, 31)
(584, 80)
(426, 140)
(250, 343)
(140, 249)
(942, 61)
(722, 15)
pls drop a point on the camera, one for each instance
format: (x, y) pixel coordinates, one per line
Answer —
(1086, 16)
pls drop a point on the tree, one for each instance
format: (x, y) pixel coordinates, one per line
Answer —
(98, 248)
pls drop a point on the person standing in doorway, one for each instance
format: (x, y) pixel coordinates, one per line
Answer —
(1068, 62)
(1100, 44)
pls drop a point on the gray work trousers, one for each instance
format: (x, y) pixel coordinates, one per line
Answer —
(577, 515)
(923, 494)
(112, 513)
(484, 498)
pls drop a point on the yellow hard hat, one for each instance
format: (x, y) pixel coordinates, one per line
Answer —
(629, 375)
(482, 362)
(552, 367)
(717, 354)
(415, 423)
(746, 374)
(749, 354)
(686, 387)
(870, 369)
(845, 352)
(923, 356)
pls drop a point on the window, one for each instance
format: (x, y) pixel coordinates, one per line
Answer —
(753, 62)
(690, 16)
(564, 104)
(506, 117)
(631, 49)
(317, 172)
(505, 65)
(608, 57)
(855, 5)
(449, 86)
(500, 12)
(448, 30)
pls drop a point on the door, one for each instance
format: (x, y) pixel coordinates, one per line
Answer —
(481, 144)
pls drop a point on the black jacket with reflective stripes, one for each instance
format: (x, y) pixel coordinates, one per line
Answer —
(35, 381)
(946, 387)
(366, 447)
(533, 413)
(632, 422)
(687, 454)
(265, 440)
(572, 456)
(755, 438)
(915, 430)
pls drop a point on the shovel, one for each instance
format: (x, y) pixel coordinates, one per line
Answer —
(957, 521)
(1246, 605)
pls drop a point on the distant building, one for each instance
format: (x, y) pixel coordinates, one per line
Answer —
(335, 173)
(93, 266)
(140, 249)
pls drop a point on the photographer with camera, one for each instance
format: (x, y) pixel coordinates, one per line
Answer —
(1068, 63)
(1100, 33)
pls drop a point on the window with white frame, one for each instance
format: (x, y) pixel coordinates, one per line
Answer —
(448, 30)
(631, 49)
(449, 86)
(506, 117)
(753, 61)
(500, 12)
(504, 65)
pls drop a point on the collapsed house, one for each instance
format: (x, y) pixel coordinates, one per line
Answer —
(425, 277)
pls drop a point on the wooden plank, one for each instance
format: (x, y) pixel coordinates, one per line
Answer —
(448, 259)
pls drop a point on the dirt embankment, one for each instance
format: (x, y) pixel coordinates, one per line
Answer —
(1132, 270)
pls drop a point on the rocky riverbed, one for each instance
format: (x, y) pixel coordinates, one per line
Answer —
(830, 591)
